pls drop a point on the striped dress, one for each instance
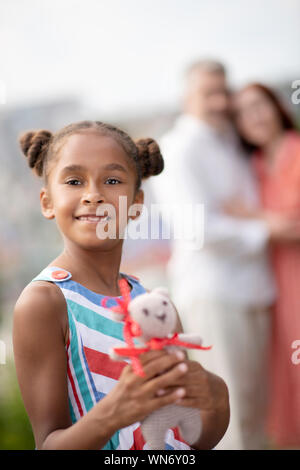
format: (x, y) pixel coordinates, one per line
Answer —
(91, 372)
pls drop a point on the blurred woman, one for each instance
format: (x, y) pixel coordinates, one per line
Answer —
(270, 135)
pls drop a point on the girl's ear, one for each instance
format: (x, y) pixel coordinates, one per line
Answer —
(139, 197)
(137, 205)
(46, 204)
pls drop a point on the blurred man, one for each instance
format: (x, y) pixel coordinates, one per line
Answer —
(223, 287)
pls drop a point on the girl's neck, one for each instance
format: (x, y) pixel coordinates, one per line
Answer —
(96, 270)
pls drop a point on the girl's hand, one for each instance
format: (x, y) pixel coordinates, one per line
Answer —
(208, 393)
(200, 389)
(135, 397)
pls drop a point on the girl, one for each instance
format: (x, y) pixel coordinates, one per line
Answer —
(75, 395)
(269, 132)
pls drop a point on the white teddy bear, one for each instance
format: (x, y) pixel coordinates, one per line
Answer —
(154, 318)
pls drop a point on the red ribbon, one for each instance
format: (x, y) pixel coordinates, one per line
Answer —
(160, 343)
(131, 328)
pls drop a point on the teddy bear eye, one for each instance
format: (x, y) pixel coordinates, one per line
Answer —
(145, 311)
(165, 303)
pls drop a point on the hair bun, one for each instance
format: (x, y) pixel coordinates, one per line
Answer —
(34, 145)
(150, 159)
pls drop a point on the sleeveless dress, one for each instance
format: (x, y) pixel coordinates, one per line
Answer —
(91, 373)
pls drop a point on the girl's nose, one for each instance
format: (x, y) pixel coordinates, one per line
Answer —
(92, 198)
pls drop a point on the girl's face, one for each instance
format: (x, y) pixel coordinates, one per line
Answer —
(90, 171)
(256, 117)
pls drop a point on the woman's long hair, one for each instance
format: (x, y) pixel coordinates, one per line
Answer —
(286, 118)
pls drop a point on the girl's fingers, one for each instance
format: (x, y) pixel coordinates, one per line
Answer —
(189, 402)
(191, 391)
(151, 356)
(158, 402)
(202, 403)
(170, 378)
(155, 364)
(160, 364)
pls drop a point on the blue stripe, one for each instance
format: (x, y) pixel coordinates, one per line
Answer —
(168, 447)
(96, 298)
(77, 365)
(95, 391)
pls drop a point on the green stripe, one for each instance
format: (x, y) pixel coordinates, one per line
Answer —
(78, 367)
(73, 417)
(96, 321)
(113, 443)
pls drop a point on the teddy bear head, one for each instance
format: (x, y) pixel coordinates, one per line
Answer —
(154, 313)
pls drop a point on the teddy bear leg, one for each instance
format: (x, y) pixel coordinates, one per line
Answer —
(190, 426)
(154, 433)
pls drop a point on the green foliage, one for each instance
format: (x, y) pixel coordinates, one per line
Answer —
(15, 428)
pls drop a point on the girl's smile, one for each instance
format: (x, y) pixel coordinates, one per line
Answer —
(93, 218)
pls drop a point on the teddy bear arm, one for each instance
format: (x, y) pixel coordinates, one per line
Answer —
(190, 338)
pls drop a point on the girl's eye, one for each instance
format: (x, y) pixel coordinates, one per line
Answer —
(73, 182)
(115, 181)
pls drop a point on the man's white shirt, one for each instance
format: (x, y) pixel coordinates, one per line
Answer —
(230, 261)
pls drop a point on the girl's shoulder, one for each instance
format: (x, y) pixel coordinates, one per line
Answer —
(41, 303)
(41, 293)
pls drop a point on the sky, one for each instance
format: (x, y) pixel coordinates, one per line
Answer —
(122, 55)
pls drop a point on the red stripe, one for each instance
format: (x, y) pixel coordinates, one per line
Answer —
(178, 437)
(102, 364)
(73, 384)
(138, 440)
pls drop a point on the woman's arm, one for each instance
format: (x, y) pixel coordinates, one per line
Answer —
(281, 227)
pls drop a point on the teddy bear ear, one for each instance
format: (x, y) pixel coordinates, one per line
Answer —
(161, 290)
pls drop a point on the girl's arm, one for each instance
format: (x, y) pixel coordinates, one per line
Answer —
(40, 357)
(41, 365)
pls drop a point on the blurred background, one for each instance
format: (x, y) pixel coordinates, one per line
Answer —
(122, 62)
